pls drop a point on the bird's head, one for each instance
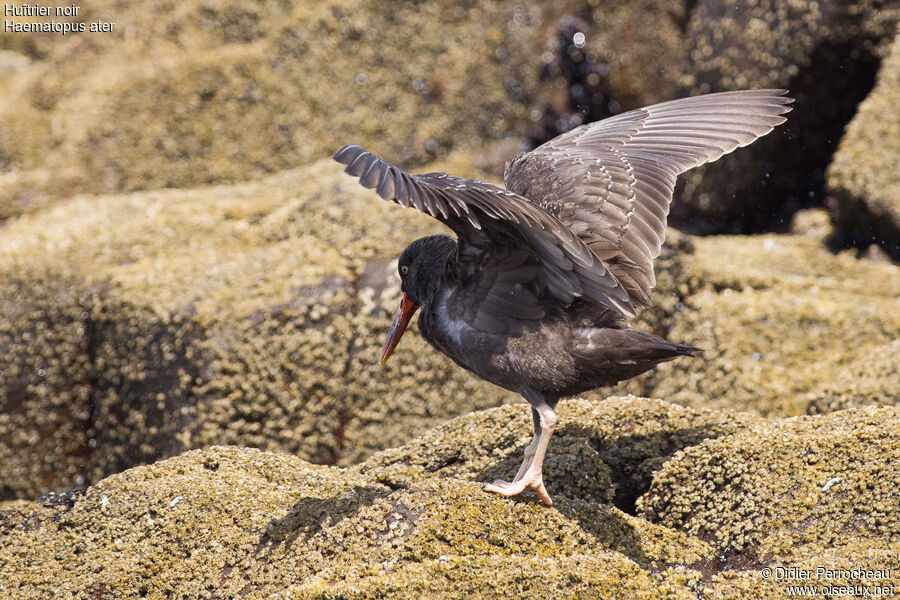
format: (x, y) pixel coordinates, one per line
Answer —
(420, 266)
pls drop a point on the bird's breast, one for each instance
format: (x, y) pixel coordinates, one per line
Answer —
(450, 334)
(480, 352)
(534, 355)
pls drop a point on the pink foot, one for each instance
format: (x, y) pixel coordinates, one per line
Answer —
(505, 488)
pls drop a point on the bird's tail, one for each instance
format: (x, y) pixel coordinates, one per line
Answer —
(684, 350)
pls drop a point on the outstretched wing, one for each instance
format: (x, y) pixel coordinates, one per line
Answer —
(507, 240)
(611, 182)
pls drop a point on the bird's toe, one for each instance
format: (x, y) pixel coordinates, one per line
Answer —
(505, 488)
(499, 486)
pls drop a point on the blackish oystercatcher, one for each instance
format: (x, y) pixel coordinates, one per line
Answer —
(534, 292)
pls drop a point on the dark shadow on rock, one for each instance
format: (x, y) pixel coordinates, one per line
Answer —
(608, 526)
(309, 515)
(625, 463)
(588, 90)
(759, 188)
(631, 460)
(593, 513)
(53, 507)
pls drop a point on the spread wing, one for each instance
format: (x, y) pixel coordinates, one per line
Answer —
(611, 182)
(518, 254)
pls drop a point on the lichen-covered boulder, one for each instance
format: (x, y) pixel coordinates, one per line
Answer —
(138, 326)
(142, 325)
(864, 177)
(602, 449)
(871, 377)
(244, 522)
(187, 93)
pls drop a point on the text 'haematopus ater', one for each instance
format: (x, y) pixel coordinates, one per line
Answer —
(534, 292)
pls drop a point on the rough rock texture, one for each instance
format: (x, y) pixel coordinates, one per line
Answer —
(187, 93)
(826, 52)
(784, 325)
(602, 449)
(235, 522)
(805, 486)
(138, 326)
(865, 174)
(135, 327)
(870, 377)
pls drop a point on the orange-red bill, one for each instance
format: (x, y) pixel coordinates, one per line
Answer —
(401, 321)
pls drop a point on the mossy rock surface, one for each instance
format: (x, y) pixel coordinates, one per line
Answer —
(136, 326)
(242, 521)
(602, 449)
(730, 496)
(141, 325)
(870, 378)
(864, 176)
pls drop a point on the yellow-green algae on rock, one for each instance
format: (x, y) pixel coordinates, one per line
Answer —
(782, 323)
(227, 522)
(870, 378)
(141, 325)
(602, 449)
(138, 326)
(865, 174)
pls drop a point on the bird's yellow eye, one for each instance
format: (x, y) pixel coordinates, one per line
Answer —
(404, 270)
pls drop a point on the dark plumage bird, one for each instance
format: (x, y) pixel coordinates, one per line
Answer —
(533, 293)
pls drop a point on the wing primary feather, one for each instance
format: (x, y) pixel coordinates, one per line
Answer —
(346, 154)
(369, 179)
(385, 187)
(427, 201)
(359, 164)
(414, 197)
(440, 201)
(401, 189)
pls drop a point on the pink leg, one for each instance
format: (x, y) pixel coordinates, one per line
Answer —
(530, 475)
(529, 455)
